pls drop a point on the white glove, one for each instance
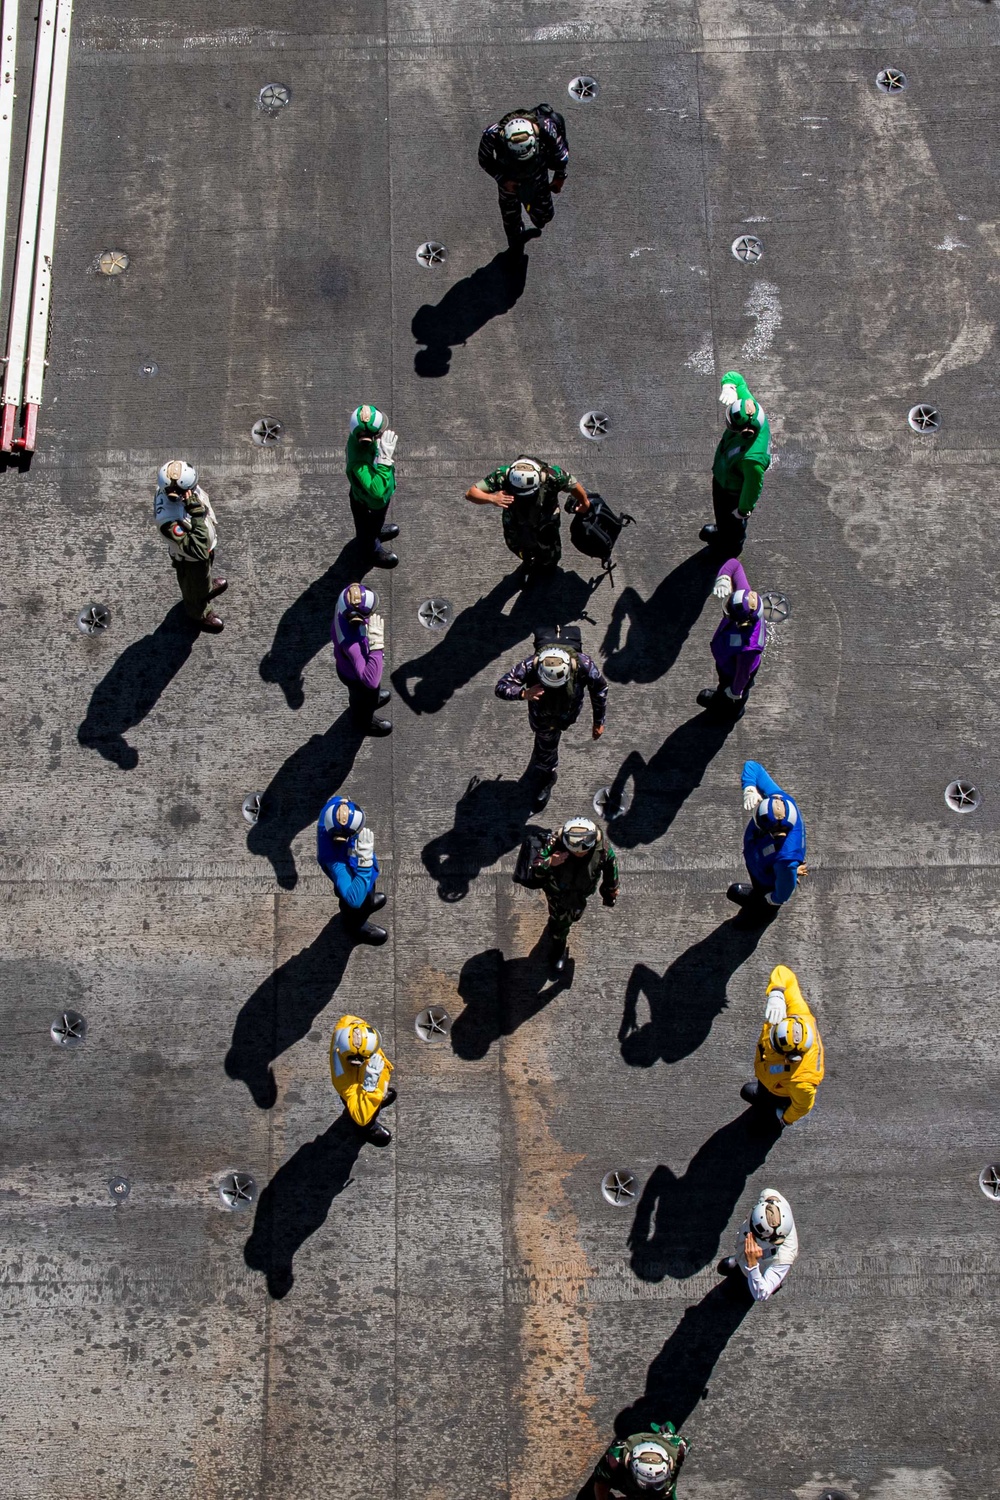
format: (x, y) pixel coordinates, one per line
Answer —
(776, 1008)
(733, 697)
(386, 446)
(366, 849)
(723, 586)
(751, 797)
(729, 394)
(376, 636)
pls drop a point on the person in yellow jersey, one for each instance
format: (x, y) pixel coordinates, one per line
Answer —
(789, 1057)
(360, 1072)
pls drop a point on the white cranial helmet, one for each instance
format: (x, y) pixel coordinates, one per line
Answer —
(521, 137)
(554, 667)
(651, 1466)
(579, 833)
(177, 475)
(771, 1219)
(524, 476)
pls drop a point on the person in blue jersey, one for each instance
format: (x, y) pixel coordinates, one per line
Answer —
(774, 844)
(345, 849)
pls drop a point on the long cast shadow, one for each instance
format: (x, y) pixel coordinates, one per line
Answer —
(679, 1220)
(489, 822)
(482, 632)
(295, 795)
(465, 308)
(132, 687)
(678, 1377)
(304, 628)
(663, 784)
(684, 1001)
(296, 1201)
(658, 626)
(500, 995)
(280, 1012)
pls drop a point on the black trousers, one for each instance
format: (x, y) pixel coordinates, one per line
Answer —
(355, 917)
(545, 755)
(535, 195)
(726, 681)
(732, 526)
(368, 524)
(363, 700)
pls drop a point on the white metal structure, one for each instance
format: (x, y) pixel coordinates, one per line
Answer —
(38, 324)
(8, 60)
(27, 233)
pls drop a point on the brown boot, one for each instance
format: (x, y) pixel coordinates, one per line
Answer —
(219, 586)
(211, 623)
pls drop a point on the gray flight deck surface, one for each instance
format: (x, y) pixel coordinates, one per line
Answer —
(462, 1316)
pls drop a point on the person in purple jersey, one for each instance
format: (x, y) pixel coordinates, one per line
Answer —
(358, 635)
(738, 643)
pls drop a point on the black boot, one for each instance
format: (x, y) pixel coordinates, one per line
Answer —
(708, 698)
(389, 530)
(380, 726)
(377, 1134)
(728, 1266)
(384, 559)
(377, 901)
(368, 932)
(543, 791)
(708, 533)
(740, 891)
(558, 954)
(390, 1098)
(515, 235)
(384, 694)
(749, 1092)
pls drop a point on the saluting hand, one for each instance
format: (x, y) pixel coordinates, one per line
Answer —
(534, 693)
(751, 1250)
(503, 498)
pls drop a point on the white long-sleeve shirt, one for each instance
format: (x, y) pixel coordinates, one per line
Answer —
(776, 1261)
(764, 1284)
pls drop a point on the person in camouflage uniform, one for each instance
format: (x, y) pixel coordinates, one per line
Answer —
(187, 524)
(647, 1463)
(572, 862)
(527, 492)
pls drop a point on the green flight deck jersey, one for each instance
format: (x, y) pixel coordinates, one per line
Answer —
(742, 458)
(372, 483)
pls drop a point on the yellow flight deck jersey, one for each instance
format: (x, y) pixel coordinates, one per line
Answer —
(362, 1089)
(794, 1081)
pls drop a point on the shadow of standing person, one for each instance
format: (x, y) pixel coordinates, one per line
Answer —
(482, 632)
(295, 795)
(663, 784)
(684, 1001)
(280, 1011)
(296, 1201)
(465, 308)
(489, 821)
(679, 1220)
(501, 994)
(304, 628)
(659, 626)
(133, 686)
(678, 1377)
